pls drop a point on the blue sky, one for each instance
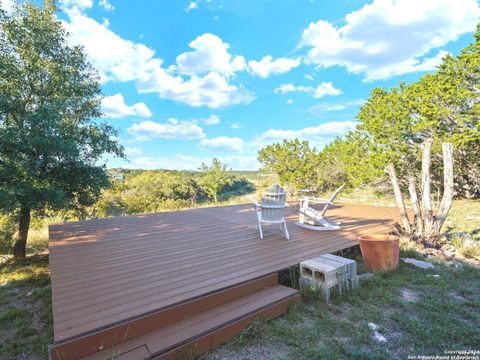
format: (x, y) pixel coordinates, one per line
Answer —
(186, 81)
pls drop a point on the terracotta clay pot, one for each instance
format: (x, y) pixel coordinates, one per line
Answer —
(380, 252)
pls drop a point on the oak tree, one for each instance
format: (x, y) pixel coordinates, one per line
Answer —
(51, 141)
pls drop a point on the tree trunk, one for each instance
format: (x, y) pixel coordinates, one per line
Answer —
(448, 190)
(390, 170)
(19, 249)
(412, 189)
(425, 176)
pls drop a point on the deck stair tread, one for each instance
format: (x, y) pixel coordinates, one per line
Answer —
(188, 329)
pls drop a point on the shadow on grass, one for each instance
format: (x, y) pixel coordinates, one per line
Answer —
(418, 311)
(26, 323)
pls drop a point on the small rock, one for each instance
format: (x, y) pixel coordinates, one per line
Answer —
(29, 293)
(379, 337)
(459, 234)
(365, 276)
(436, 276)
(376, 335)
(409, 295)
(418, 263)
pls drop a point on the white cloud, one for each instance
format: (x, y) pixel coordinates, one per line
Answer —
(105, 4)
(173, 129)
(210, 53)
(185, 162)
(121, 60)
(317, 135)
(212, 90)
(286, 88)
(78, 5)
(323, 89)
(116, 58)
(115, 107)
(236, 126)
(223, 143)
(176, 162)
(212, 120)
(327, 107)
(408, 66)
(267, 66)
(7, 5)
(390, 37)
(133, 151)
(191, 5)
(290, 101)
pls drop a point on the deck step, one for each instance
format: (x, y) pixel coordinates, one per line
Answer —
(201, 332)
(108, 337)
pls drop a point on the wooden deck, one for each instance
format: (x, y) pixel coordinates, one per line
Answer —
(108, 271)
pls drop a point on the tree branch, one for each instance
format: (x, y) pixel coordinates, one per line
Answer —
(447, 197)
(390, 170)
(412, 189)
(425, 176)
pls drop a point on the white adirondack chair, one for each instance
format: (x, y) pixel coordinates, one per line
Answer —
(312, 219)
(272, 209)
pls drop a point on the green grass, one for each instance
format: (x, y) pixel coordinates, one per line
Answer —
(25, 308)
(444, 316)
(465, 217)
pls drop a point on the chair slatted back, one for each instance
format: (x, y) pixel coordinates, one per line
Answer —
(273, 204)
(332, 199)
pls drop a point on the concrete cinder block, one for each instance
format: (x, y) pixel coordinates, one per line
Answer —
(354, 283)
(329, 272)
(324, 289)
(351, 264)
(318, 271)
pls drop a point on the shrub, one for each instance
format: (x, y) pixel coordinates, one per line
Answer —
(7, 230)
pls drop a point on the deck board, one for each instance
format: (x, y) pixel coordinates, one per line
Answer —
(105, 271)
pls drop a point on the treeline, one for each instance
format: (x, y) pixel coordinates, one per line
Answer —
(141, 191)
(392, 125)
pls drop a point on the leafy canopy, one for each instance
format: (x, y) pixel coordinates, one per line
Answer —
(50, 144)
(214, 178)
(294, 162)
(392, 124)
(443, 106)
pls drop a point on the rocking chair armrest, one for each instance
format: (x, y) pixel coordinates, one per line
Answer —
(319, 201)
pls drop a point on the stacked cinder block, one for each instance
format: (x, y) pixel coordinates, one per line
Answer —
(352, 277)
(329, 272)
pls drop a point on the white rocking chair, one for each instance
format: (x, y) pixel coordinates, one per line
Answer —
(315, 219)
(271, 210)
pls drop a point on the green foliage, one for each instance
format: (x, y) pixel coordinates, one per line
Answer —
(443, 105)
(50, 144)
(294, 162)
(392, 125)
(7, 230)
(140, 191)
(347, 161)
(49, 94)
(214, 178)
(342, 161)
(153, 190)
